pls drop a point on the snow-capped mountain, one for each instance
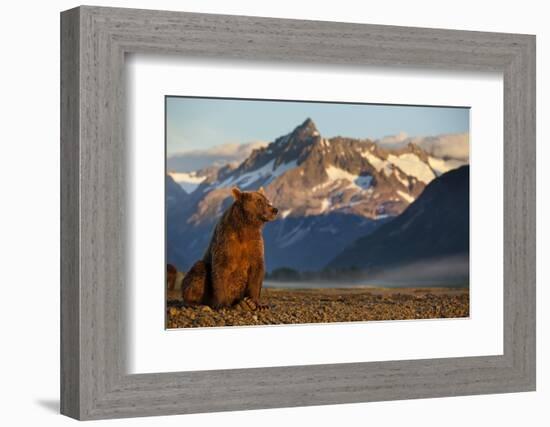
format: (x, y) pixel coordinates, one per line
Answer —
(308, 177)
(446, 146)
(189, 181)
(433, 230)
(306, 174)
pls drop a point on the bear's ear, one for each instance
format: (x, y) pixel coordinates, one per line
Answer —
(237, 194)
(261, 191)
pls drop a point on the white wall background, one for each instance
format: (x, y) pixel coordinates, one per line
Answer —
(29, 217)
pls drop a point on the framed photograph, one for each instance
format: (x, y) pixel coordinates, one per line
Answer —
(349, 228)
(262, 213)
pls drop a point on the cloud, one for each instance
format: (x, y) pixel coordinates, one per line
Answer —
(451, 146)
(394, 140)
(447, 146)
(219, 155)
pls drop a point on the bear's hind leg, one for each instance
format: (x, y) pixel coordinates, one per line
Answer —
(228, 287)
(194, 288)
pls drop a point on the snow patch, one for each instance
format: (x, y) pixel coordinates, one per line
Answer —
(266, 172)
(378, 163)
(413, 166)
(403, 181)
(358, 181)
(441, 166)
(407, 197)
(189, 181)
(321, 186)
(281, 169)
(285, 213)
(254, 175)
(409, 163)
(325, 205)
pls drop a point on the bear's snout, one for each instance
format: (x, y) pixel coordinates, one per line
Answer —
(270, 213)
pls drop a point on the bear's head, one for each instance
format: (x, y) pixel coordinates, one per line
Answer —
(255, 205)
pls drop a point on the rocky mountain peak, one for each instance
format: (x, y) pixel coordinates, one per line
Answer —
(326, 190)
(306, 129)
(308, 175)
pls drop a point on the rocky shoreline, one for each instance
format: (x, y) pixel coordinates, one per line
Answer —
(303, 306)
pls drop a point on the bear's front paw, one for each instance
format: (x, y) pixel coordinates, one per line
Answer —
(249, 304)
(262, 307)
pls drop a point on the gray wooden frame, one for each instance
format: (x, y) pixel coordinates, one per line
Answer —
(94, 41)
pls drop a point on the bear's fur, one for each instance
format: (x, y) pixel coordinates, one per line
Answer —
(174, 278)
(171, 275)
(232, 269)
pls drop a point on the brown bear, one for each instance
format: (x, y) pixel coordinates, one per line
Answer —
(232, 269)
(174, 278)
(171, 275)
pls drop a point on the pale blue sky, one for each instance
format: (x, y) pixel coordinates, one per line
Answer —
(201, 123)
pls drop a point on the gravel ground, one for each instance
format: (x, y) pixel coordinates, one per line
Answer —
(327, 305)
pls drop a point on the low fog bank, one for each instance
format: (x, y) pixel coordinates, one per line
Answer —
(451, 271)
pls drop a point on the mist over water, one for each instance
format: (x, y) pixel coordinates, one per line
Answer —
(443, 272)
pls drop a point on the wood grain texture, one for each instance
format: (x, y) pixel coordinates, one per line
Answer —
(94, 382)
(70, 220)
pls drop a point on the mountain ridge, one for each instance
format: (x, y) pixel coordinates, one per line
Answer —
(311, 180)
(306, 174)
(434, 227)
